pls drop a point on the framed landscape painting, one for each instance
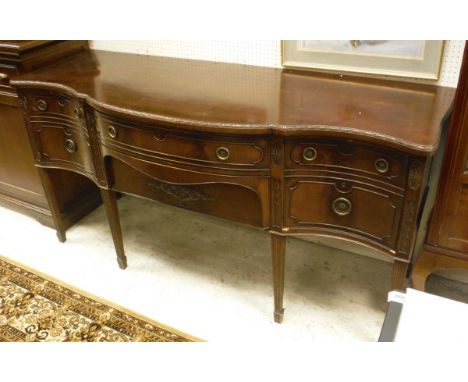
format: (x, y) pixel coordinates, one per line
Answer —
(404, 58)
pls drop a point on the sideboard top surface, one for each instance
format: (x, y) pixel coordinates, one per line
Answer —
(240, 99)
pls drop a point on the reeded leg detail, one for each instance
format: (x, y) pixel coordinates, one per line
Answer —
(278, 249)
(110, 204)
(400, 268)
(53, 203)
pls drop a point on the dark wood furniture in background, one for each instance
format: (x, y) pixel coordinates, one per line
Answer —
(20, 185)
(446, 245)
(293, 153)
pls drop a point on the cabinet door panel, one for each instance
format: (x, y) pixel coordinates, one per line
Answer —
(18, 176)
(450, 218)
(457, 226)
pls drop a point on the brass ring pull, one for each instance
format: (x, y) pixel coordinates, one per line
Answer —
(223, 153)
(78, 112)
(342, 206)
(309, 154)
(112, 132)
(3, 77)
(70, 145)
(41, 105)
(381, 165)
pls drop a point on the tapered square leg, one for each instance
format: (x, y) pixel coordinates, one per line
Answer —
(278, 249)
(400, 269)
(53, 203)
(110, 203)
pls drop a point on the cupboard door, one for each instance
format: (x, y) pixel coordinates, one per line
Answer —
(18, 177)
(453, 231)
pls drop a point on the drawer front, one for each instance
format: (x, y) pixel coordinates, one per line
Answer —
(236, 200)
(195, 148)
(343, 205)
(58, 129)
(348, 157)
(55, 106)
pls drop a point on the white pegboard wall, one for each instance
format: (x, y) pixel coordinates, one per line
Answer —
(248, 52)
(451, 63)
(256, 52)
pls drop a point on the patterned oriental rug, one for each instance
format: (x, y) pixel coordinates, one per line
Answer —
(37, 308)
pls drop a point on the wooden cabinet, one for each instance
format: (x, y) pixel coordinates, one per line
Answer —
(18, 177)
(292, 153)
(446, 245)
(20, 185)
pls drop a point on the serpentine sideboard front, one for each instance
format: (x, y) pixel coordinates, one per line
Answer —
(293, 153)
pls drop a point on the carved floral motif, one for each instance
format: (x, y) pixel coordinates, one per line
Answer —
(91, 134)
(182, 193)
(276, 153)
(415, 175)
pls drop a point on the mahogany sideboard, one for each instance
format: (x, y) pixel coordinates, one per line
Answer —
(291, 152)
(20, 185)
(446, 244)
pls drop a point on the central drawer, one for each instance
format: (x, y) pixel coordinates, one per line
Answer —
(202, 149)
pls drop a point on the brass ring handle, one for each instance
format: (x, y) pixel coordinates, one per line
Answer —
(3, 77)
(70, 145)
(342, 206)
(41, 105)
(112, 132)
(381, 165)
(309, 154)
(223, 153)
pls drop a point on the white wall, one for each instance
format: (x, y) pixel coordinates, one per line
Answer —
(254, 52)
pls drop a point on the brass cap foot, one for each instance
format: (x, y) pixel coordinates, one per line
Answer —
(279, 316)
(122, 262)
(61, 236)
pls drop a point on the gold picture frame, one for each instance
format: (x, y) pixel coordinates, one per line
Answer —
(402, 58)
